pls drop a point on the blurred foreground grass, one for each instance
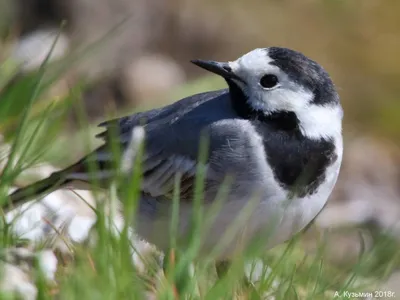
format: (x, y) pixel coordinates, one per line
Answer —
(37, 129)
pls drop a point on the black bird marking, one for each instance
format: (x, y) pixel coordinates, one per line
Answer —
(305, 72)
(298, 163)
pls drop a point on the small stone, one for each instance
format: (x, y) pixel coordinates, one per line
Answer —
(17, 282)
(151, 76)
(47, 263)
(32, 50)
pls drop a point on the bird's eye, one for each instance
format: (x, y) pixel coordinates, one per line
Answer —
(269, 81)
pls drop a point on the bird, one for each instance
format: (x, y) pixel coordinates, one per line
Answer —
(275, 131)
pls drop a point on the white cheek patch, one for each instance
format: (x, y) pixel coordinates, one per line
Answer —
(280, 99)
(315, 121)
(318, 121)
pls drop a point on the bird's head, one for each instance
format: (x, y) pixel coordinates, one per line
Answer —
(278, 81)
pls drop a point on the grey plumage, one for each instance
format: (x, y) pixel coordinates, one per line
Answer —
(264, 137)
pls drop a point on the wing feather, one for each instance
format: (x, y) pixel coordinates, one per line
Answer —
(172, 136)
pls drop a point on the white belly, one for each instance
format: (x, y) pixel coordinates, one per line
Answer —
(238, 223)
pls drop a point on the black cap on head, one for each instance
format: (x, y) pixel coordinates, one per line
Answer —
(306, 72)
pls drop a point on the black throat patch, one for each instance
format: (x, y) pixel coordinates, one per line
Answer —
(299, 163)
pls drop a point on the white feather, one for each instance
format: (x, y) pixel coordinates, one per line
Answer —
(130, 153)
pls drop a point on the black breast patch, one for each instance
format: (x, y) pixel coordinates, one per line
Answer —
(298, 163)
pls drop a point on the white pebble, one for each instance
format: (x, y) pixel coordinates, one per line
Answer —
(47, 263)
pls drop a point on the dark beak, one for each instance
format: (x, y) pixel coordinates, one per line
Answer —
(220, 68)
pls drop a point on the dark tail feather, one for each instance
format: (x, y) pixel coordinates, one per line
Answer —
(45, 186)
(76, 176)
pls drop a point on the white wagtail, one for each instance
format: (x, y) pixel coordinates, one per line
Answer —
(276, 131)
